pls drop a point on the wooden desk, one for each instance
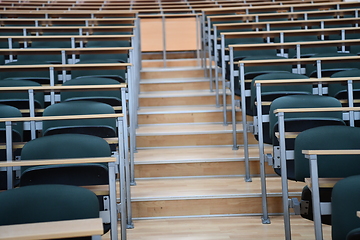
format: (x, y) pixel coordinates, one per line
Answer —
(52, 230)
(323, 182)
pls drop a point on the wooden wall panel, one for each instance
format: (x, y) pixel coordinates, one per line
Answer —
(151, 32)
(180, 34)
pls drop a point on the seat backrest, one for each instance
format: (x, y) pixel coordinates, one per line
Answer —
(65, 146)
(20, 99)
(327, 138)
(251, 70)
(105, 127)
(305, 50)
(17, 136)
(102, 44)
(39, 56)
(328, 69)
(344, 205)
(112, 97)
(7, 111)
(117, 74)
(269, 93)
(298, 122)
(44, 203)
(40, 76)
(339, 90)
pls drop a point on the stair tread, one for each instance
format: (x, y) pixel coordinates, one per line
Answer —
(173, 80)
(180, 109)
(185, 93)
(193, 154)
(155, 69)
(223, 228)
(208, 187)
(188, 128)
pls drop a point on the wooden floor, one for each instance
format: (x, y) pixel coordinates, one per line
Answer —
(219, 228)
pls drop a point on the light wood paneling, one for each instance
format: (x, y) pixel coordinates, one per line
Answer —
(190, 73)
(175, 86)
(213, 153)
(171, 63)
(190, 140)
(181, 34)
(195, 117)
(197, 169)
(151, 31)
(218, 186)
(169, 55)
(223, 228)
(204, 206)
(179, 101)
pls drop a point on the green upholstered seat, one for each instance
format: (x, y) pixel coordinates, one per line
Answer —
(298, 122)
(328, 69)
(62, 146)
(17, 136)
(339, 90)
(105, 127)
(40, 76)
(344, 205)
(47, 203)
(20, 99)
(118, 74)
(325, 138)
(65, 146)
(112, 97)
(270, 93)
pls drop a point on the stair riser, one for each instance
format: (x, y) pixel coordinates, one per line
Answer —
(169, 55)
(177, 63)
(198, 169)
(196, 117)
(179, 101)
(203, 85)
(190, 140)
(173, 74)
(215, 206)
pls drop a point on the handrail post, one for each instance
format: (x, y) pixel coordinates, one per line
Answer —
(284, 180)
(9, 153)
(265, 217)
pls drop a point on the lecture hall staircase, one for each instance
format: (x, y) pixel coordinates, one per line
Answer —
(185, 165)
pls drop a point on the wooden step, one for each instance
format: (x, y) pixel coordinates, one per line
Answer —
(183, 114)
(196, 161)
(183, 72)
(179, 84)
(178, 98)
(206, 196)
(169, 55)
(187, 135)
(159, 63)
(222, 228)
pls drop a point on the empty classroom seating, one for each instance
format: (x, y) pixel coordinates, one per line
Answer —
(120, 62)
